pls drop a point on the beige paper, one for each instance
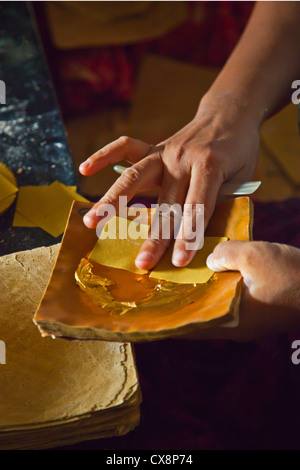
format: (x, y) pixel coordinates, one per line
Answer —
(48, 383)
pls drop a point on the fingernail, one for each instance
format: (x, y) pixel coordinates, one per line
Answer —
(143, 259)
(84, 166)
(179, 258)
(89, 217)
(210, 262)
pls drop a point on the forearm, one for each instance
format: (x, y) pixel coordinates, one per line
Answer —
(258, 75)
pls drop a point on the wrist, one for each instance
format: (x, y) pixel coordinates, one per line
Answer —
(230, 107)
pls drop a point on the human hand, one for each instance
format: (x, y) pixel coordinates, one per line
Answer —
(270, 301)
(220, 144)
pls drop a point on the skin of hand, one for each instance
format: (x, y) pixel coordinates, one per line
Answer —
(221, 143)
(218, 145)
(270, 301)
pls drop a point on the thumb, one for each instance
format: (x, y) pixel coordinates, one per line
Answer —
(228, 256)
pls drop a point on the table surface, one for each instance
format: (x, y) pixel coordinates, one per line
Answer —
(33, 143)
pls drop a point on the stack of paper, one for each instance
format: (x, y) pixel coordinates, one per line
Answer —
(56, 392)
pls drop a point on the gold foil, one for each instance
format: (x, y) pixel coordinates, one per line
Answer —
(121, 291)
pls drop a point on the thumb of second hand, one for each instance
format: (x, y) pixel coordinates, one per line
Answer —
(227, 256)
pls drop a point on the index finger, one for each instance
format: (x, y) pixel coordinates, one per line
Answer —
(124, 148)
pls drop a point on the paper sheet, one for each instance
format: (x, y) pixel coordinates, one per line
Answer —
(119, 253)
(195, 273)
(46, 207)
(7, 189)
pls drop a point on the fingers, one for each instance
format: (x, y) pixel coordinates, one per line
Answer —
(227, 256)
(203, 189)
(143, 175)
(250, 258)
(205, 181)
(123, 148)
(162, 227)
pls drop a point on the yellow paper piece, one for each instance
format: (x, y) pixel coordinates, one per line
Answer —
(8, 187)
(116, 248)
(195, 273)
(46, 207)
(8, 174)
(27, 203)
(72, 190)
(21, 221)
(6, 203)
(120, 252)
